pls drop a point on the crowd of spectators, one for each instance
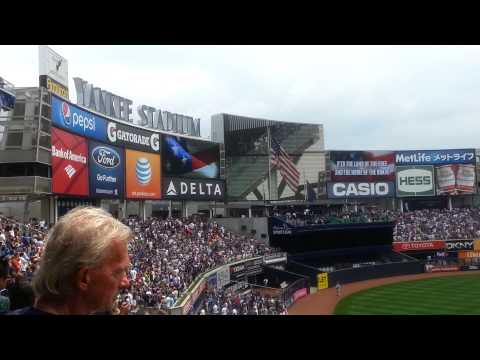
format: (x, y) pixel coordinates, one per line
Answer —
(167, 255)
(417, 225)
(251, 302)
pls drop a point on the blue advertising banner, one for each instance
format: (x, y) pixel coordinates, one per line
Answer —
(7, 100)
(344, 190)
(106, 169)
(435, 157)
(72, 118)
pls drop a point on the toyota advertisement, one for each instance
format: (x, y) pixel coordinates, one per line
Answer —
(106, 168)
(143, 175)
(69, 163)
(69, 117)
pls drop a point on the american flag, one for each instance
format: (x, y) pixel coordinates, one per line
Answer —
(284, 163)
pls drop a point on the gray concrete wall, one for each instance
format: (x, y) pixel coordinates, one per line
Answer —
(245, 226)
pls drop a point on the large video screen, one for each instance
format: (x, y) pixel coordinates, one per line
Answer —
(368, 166)
(69, 163)
(189, 158)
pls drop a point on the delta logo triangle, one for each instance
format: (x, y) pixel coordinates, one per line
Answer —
(171, 189)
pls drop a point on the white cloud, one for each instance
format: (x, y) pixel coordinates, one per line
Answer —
(367, 97)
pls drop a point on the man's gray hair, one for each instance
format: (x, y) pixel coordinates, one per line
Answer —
(79, 239)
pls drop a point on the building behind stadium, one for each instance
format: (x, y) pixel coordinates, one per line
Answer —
(142, 160)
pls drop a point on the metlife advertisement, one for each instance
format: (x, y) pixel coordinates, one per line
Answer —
(72, 118)
(106, 168)
(435, 157)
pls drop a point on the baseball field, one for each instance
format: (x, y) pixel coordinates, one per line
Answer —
(459, 295)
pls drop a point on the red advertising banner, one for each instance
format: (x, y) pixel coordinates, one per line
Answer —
(69, 163)
(299, 294)
(419, 245)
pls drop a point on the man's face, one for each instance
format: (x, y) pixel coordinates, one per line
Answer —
(109, 278)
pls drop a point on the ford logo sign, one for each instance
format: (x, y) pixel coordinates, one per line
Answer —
(105, 157)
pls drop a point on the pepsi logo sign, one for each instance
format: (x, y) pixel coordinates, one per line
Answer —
(106, 157)
(66, 114)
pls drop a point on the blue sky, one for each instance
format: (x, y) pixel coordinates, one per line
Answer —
(367, 97)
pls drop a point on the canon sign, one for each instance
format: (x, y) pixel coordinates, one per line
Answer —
(415, 180)
(361, 189)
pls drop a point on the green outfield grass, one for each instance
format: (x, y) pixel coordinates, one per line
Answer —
(437, 296)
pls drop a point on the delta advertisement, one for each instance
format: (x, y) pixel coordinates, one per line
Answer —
(419, 245)
(71, 118)
(189, 158)
(69, 163)
(106, 168)
(415, 180)
(143, 175)
(193, 189)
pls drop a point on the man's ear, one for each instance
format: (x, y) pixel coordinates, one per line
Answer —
(82, 278)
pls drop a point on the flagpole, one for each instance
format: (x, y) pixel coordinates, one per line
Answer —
(305, 187)
(269, 163)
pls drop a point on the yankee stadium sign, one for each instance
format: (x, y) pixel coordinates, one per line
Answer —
(120, 108)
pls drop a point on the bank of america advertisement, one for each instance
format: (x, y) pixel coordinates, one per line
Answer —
(455, 179)
(106, 168)
(143, 175)
(362, 166)
(69, 163)
(70, 117)
(415, 181)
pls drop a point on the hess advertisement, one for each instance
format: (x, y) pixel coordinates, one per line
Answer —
(415, 181)
(143, 178)
(69, 163)
(455, 179)
(362, 166)
(72, 118)
(190, 158)
(106, 168)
